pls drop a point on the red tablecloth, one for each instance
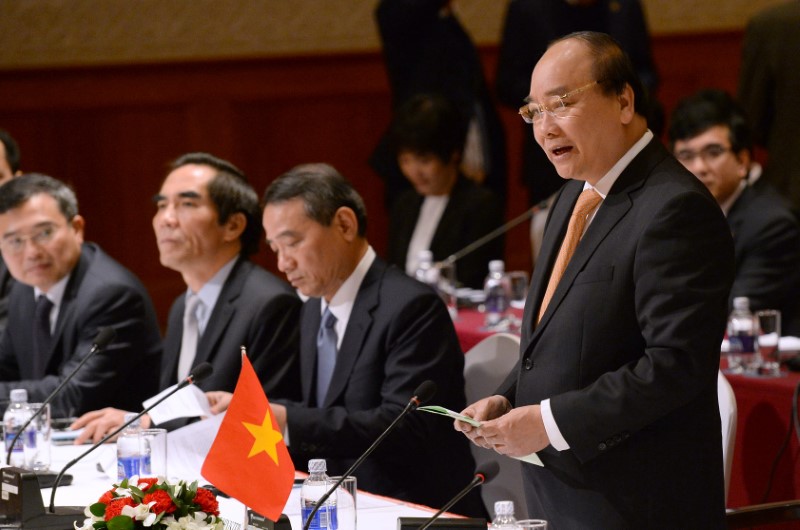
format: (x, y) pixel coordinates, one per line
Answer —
(764, 405)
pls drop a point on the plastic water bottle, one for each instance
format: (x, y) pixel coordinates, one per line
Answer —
(313, 488)
(130, 458)
(16, 415)
(742, 327)
(504, 516)
(497, 290)
(426, 272)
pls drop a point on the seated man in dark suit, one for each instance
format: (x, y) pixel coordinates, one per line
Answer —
(9, 168)
(66, 291)
(445, 211)
(206, 226)
(711, 137)
(384, 334)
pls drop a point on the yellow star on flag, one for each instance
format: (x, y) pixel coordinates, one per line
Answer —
(266, 438)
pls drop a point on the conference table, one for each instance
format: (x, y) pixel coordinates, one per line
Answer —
(763, 421)
(91, 481)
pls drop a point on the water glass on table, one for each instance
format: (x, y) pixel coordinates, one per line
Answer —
(768, 336)
(532, 524)
(346, 512)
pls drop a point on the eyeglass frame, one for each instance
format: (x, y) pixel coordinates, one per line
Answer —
(526, 109)
(708, 153)
(15, 244)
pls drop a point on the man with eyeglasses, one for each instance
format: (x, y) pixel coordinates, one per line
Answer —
(66, 291)
(710, 135)
(616, 388)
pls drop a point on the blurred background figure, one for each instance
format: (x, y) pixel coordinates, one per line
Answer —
(9, 168)
(426, 50)
(445, 211)
(530, 25)
(710, 135)
(769, 85)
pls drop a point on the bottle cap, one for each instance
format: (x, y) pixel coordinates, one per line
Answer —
(18, 395)
(741, 302)
(504, 508)
(317, 465)
(497, 265)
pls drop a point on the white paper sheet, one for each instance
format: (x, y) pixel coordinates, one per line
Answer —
(188, 402)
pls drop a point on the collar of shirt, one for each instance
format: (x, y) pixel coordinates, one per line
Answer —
(209, 294)
(730, 201)
(342, 302)
(55, 295)
(604, 185)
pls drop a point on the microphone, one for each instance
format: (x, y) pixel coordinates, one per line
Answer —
(200, 372)
(486, 473)
(104, 337)
(423, 393)
(500, 230)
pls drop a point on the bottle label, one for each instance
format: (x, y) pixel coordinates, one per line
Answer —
(128, 466)
(18, 445)
(325, 518)
(742, 343)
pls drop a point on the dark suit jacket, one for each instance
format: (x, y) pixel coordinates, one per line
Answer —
(428, 53)
(6, 281)
(628, 353)
(766, 239)
(254, 309)
(530, 26)
(100, 293)
(769, 82)
(471, 212)
(399, 335)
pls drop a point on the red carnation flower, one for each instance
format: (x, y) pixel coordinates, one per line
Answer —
(114, 508)
(145, 483)
(107, 497)
(163, 502)
(206, 501)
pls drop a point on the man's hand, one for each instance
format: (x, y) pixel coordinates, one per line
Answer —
(486, 409)
(518, 433)
(279, 411)
(98, 423)
(219, 400)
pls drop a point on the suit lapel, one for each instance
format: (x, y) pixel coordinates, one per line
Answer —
(358, 327)
(309, 326)
(66, 312)
(172, 343)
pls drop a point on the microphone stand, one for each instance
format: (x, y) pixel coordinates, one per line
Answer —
(413, 403)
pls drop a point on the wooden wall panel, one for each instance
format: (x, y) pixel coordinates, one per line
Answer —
(111, 130)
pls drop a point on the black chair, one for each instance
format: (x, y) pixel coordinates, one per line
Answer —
(763, 514)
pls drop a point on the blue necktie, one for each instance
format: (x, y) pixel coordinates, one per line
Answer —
(41, 335)
(326, 354)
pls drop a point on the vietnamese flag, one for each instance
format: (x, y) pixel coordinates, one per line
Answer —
(249, 460)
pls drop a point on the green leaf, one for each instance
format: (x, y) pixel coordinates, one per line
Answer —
(120, 522)
(98, 509)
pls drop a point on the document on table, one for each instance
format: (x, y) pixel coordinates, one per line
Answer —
(532, 458)
(188, 402)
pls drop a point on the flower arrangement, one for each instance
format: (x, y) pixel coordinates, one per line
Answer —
(150, 503)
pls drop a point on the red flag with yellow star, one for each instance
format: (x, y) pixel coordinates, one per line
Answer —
(249, 460)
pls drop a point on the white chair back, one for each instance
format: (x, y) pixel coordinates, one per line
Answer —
(727, 414)
(486, 366)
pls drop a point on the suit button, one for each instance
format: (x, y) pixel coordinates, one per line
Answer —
(602, 446)
(528, 363)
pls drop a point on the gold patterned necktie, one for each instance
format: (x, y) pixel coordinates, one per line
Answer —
(587, 202)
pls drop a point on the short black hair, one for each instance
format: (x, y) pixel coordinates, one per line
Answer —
(429, 123)
(12, 150)
(708, 108)
(612, 67)
(19, 190)
(323, 191)
(231, 193)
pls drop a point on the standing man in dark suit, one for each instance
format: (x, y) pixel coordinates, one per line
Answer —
(370, 335)
(206, 226)
(616, 388)
(710, 136)
(9, 168)
(66, 291)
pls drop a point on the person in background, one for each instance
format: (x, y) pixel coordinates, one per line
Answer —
(206, 226)
(709, 134)
(427, 50)
(445, 211)
(769, 82)
(66, 290)
(370, 335)
(616, 387)
(9, 168)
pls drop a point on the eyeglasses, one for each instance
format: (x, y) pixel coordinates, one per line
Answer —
(708, 153)
(15, 244)
(556, 106)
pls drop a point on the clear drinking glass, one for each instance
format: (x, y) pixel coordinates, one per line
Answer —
(446, 284)
(346, 495)
(768, 336)
(37, 448)
(532, 524)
